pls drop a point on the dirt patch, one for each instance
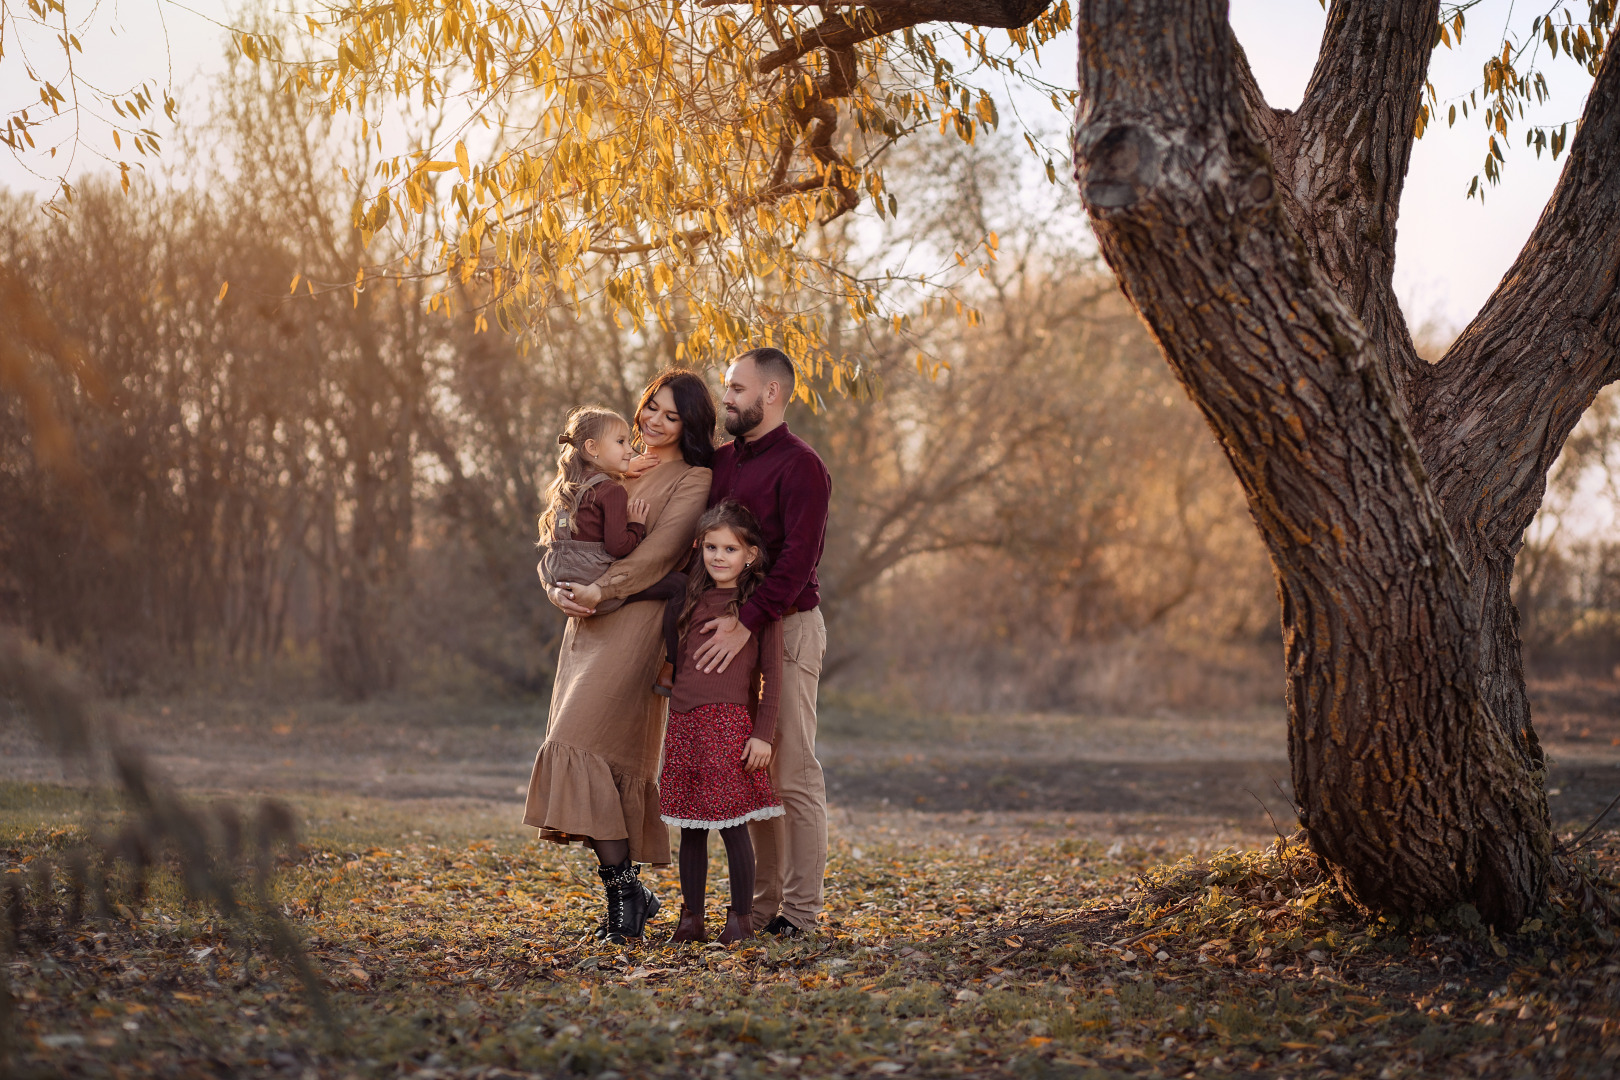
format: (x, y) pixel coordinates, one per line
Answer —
(1220, 790)
(1116, 775)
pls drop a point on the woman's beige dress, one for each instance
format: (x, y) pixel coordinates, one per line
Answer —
(596, 775)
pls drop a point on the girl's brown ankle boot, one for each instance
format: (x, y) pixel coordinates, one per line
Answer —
(690, 928)
(739, 925)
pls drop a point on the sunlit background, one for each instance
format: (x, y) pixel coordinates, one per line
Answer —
(1145, 562)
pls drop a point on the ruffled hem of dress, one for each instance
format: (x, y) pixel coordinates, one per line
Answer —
(762, 814)
(574, 794)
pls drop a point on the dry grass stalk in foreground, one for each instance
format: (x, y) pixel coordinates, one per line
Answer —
(217, 860)
(449, 957)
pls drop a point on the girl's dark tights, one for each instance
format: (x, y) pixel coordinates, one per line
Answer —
(695, 867)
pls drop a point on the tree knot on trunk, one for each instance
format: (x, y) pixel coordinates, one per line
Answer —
(1116, 165)
(1119, 165)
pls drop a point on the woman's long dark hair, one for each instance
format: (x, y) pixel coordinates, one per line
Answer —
(696, 406)
(732, 515)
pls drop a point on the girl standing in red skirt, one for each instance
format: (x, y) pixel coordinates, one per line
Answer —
(721, 724)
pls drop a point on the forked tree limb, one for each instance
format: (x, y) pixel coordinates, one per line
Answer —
(810, 106)
(815, 113)
(1494, 415)
(1515, 383)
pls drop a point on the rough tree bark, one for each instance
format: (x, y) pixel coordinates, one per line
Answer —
(1258, 245)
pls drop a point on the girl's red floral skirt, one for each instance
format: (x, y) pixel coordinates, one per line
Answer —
(703, 785)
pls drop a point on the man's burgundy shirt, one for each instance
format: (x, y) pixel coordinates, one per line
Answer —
(783, 481)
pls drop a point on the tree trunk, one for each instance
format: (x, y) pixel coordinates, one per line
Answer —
(1258, 246)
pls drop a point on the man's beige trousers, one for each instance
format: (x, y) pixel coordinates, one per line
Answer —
(791, 851)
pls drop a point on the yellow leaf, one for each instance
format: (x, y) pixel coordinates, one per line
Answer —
(294, 286)
(461, 160)
(222, 289)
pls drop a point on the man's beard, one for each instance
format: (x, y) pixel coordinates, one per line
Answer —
(743, 421)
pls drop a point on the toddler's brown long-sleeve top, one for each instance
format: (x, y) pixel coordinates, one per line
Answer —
(760, 658)
(603, 516)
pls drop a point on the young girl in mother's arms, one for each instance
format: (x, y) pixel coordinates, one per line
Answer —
(590, 520)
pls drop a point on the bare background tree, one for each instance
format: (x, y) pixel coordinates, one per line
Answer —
(308, 487)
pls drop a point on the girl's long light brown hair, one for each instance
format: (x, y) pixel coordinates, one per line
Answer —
(732, 515)
(573, 467)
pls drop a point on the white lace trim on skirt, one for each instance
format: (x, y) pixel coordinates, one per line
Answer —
(762, 814)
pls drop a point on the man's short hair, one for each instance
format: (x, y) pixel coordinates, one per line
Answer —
(773, 364)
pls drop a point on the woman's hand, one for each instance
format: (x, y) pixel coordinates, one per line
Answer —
(640, 465)
(586, 596)
(756, 755)
(562, 597)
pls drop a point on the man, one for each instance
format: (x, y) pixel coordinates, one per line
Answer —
(783, 481)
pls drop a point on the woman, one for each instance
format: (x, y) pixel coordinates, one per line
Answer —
(595, 779)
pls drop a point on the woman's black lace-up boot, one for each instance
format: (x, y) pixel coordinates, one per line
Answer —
(630, 904)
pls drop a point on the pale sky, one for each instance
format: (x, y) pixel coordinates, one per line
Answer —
(1451, 250)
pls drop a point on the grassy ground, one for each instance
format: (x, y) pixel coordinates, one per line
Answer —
(451, 946)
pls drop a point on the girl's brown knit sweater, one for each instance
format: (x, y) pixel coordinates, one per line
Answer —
(739, 684)
(603, 516)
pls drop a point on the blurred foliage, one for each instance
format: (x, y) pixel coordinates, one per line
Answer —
(326, 486)
(1567, 578)
(335, 484)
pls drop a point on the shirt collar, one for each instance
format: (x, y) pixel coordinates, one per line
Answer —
(753, 448)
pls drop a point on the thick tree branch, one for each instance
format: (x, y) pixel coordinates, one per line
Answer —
(887, 16)
(1513, 386)
(1494, 415)
(1343, 159)
(818, 116)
